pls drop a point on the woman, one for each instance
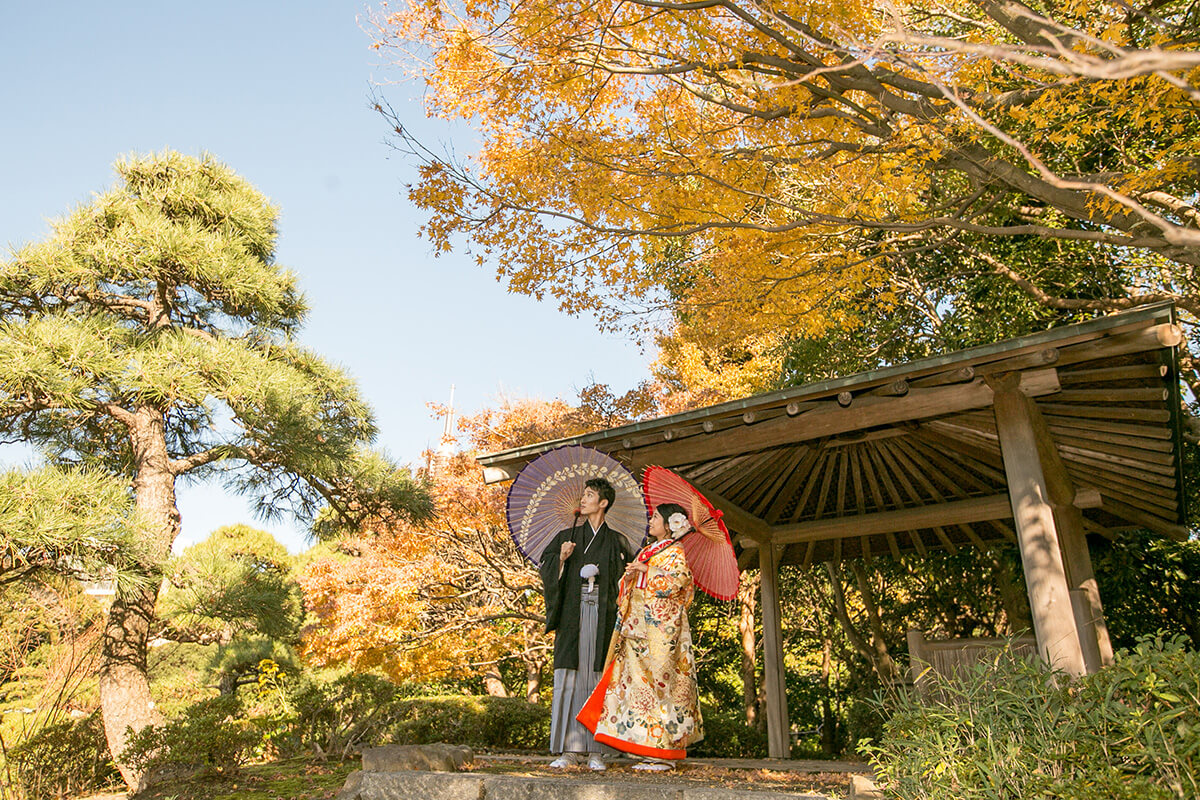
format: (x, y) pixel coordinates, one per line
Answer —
(646, 702)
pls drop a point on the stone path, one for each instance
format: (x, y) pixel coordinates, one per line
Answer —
(771, 764)
(527, 777)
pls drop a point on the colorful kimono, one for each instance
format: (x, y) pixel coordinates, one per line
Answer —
(646, 702)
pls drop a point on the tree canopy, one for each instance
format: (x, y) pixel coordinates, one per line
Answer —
(758, 167)
(150, 337)
(71, 522)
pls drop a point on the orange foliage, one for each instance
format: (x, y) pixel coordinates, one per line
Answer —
(453, 597)
(757, 167)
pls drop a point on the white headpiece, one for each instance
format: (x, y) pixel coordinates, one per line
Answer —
(678, 524)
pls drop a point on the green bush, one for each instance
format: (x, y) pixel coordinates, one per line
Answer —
(337, 717)
(207, 736)
(333, 718)
(1015, 728)
(64, 759)
(499, 723)
(726, 735)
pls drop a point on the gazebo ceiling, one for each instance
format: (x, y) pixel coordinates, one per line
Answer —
(908, 458)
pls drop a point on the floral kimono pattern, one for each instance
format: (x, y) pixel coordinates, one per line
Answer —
(646, 702)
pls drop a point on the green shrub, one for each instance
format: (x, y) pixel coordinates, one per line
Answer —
(1015, 728)
(333, 718)
(63, 759)
(500, 723)
(207, 736)
(337, 717)
(726, 735)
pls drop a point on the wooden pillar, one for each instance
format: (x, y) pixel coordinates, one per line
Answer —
(1037, 534)
(778, 733)
(1077, 562)
(1085, 592)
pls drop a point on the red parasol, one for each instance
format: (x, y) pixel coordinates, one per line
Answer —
(544, 498)
(709, 550)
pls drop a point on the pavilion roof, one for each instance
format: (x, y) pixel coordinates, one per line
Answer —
(907, 457)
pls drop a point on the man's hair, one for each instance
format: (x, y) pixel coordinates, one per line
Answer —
(604, 489)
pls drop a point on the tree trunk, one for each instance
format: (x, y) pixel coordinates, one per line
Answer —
(125, 700)
(883, 658)
(875, 650)
(828, 720)
(493, 684)
(227, 684)
(533, 683)
(534, 664)
(747, 598)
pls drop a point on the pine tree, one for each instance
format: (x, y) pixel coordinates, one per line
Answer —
(149, 337)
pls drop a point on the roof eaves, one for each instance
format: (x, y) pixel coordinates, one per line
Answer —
(1160, 312)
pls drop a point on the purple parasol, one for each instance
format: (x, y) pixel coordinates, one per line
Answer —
(544, 498)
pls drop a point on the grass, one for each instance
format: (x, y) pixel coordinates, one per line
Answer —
(293, 779)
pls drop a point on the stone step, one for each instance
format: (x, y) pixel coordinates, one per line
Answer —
(415, 785)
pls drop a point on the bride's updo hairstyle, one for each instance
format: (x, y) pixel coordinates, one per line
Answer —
(675, 519)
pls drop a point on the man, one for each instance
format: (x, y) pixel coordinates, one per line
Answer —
(581, 569)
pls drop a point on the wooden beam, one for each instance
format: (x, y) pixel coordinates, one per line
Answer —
(1088, 438)
(959, 375)
(1113, 447)
(778, 728)
(826, 482)
(1102, 426)
(1138, 517)
(1108, 412)
(831, 419)
(896, 388)
(1105, 374)
(500, 474)
(785, 495)
(1045, 578)
(963, 480)
(770, 488)
(810, 485)
(1153, 338)
(737, 517)
(1163, 485)
(857, 437)
(896, 500)
(976, 509)
(1163, 507)
(729, 477)
(1038, 358)
(955, 512)
(1129, 466)
(1140, 394)
(973, 453)
(765, 467)
(1136, 459)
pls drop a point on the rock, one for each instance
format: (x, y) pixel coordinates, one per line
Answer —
(863, 788)
(428, 757)
(350, 789)
(422, 786)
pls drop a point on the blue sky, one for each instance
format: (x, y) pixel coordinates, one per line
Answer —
(280, 92)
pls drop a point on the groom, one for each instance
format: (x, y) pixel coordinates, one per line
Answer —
(581, 569)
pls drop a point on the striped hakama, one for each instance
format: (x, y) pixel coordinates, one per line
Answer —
(572, 687)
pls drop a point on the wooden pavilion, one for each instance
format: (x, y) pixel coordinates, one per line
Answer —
(1038, 441)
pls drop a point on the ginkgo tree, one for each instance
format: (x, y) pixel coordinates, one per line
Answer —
(149, 338)
(755, 166)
